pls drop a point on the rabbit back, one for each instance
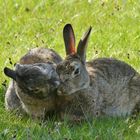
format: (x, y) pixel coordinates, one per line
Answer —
(40, 55)
(115, 86)
(112, 72)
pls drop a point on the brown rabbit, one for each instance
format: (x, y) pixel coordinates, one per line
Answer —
(34, 82)
(103, 86)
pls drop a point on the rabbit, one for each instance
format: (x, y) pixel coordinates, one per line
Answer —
(35, 70)
(100, 87)
(35, 86)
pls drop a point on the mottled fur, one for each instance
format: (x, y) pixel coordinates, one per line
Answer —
(40, 55)
(103, 86)
(34, 85)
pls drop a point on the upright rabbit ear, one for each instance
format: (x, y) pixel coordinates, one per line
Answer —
(10, 73)
(81, 49)
(69, 39)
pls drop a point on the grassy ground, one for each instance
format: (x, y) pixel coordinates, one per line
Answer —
(26, 24)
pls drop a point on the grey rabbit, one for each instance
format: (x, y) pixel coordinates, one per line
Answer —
(34, 83)
(103, 86)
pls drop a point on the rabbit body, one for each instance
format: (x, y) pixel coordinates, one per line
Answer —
(34, 88)
(115, 87)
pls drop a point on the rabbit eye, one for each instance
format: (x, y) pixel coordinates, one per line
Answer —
(77, 71)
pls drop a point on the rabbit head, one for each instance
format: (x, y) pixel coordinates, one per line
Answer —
(38, 80)
(72, 71)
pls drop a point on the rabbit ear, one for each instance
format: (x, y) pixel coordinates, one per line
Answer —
(69, 39)
(81, 49)
(10, 73)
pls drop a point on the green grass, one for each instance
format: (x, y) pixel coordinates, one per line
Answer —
(27, 24)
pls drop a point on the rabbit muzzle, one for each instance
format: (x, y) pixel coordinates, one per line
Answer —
(61, 90)
(64, 89)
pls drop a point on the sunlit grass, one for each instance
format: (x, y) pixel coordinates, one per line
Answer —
(27, 24)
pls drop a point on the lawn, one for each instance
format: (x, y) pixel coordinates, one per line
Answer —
(27, 24)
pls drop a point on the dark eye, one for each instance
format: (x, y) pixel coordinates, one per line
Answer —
(77, 71)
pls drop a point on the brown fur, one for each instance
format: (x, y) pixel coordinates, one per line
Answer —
(113, 90)
(103, 86)
(18, 96)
